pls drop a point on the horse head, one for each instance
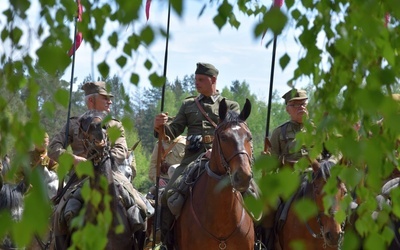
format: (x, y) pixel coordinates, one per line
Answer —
(232, 147)
(330, 230)
(94, 135)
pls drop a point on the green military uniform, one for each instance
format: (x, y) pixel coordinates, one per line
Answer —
(191, 117)
(119, 148)
(119, 152)
(283, 142)
(283, 137)
(174, 153)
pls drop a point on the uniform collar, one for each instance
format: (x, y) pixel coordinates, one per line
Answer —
(213, 97)
(300, 125)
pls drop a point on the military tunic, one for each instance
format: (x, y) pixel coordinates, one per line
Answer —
(174, 156)
(283, 142)
(119, 148)
(190, 117)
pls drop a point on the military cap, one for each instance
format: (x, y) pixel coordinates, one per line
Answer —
(295, 94)
(96, 88)
(206, 69)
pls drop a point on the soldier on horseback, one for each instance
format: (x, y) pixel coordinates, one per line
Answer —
(284, 148)
(282, 144)
(98, 100)
(199, 115)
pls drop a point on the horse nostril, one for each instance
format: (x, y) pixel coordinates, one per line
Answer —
(328, 236)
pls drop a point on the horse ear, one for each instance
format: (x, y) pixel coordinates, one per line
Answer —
(223, 109)
(22, 186)
(244, 114)
(85, 123)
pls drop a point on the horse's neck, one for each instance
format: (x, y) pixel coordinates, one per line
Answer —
(105, 169)
(218, 191)
(213, 203)
(215, 162)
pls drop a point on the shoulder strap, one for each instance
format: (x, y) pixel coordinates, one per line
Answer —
(169, 149)
(283, 131)
(204, 113)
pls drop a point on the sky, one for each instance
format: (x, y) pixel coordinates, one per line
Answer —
(236, 53)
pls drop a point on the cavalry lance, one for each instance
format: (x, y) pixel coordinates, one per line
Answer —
(267, 143)
(61, 190)
(161, 134)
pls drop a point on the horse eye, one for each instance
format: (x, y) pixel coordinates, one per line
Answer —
(223, 137)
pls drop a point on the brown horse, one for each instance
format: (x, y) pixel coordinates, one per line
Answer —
(321, 231)
(213, 217)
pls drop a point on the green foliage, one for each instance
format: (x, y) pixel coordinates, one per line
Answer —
(84, 169)
(305, 209)
(352, 71)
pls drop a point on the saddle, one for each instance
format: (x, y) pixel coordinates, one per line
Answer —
(177, 194)
(138, 209)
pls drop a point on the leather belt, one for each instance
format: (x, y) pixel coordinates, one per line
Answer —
(208, 138)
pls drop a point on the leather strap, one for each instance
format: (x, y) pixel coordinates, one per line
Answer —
(204, 112)
(168, 149)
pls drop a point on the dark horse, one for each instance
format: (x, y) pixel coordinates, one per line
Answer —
(11, 203)
(213, 217)
(322, 231)
(119, 229)
(384, 218)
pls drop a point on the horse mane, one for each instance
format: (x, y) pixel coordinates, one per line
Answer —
(230, 118)
(11, 198)
(324, 170)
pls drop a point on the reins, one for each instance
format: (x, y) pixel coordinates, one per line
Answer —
(98, 150)
(224, 161)
(321, 226)
(221, 240)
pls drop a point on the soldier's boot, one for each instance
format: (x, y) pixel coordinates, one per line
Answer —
(167, 234)
(269, 238)
(267, 232)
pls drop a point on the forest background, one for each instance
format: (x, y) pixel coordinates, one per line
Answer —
(137, 111)
(352, 72)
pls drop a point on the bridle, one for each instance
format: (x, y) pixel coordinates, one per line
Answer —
(225, 163)
(320, 235)
(98, 148)
(222, 240)
(225, 160)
